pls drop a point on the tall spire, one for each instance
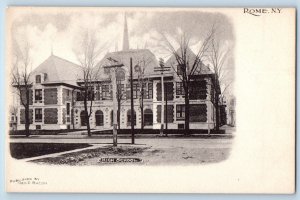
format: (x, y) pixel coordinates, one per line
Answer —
(125, 35)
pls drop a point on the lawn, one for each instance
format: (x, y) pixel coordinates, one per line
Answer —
(28, 150)
(162, 154)
(180, 132)
(85, 157)
(43, 132)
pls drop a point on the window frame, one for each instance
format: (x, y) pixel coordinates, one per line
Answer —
(150, 91)
(68, 108)
(38, 78)
(129, 118)
(180, 111)
(38, 93)
(179, 70)
(105, 90)
(136, 91)
(99, 113)
(38, 116)
(179, 88)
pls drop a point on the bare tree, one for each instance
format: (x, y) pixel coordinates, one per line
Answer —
(188, 65)
(87, 55)
(217, 57)
(21, 77)
(120, 93)
(142, 85)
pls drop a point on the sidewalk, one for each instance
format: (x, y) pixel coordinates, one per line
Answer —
(58, 154)
(83, 138)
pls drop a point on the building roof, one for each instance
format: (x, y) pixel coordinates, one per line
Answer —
(61, 71)
(140, 57)
(191, 56)
(58, 70)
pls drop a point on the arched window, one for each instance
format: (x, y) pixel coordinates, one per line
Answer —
(99, 118)
(129, 118)
(82, 118)
(148, 117)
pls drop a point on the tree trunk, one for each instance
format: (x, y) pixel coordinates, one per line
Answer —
(27, 119)
(217, 104)
(119, 115)
(217, 113)
(72, 118)
(187, 115)
(187, 108)
(72, 110)
(142, 114)
(87, 118)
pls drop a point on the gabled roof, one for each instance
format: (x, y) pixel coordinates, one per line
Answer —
(191, 56)
(142, 57)
(58, 70)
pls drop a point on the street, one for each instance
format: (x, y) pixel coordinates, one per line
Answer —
(151, 151)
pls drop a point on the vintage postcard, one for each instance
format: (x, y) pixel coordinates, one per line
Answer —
(150, 100)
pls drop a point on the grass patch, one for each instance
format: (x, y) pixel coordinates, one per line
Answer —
(157, 131)
(43, 132)
(28, 150)
(76, 157)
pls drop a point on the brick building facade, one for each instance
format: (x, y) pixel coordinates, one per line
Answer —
(55, 101)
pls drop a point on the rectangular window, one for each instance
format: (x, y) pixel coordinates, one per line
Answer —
(68, 108)
(38, 95)
(45, 77)
(105, 92)
(98, 92)
(180, 112)
(120, 91)
(106, 70)
(180, 68)
(38, 79)
(78, 96)
(136, 91)
(38, 115)
(150, 91)
(179, 88)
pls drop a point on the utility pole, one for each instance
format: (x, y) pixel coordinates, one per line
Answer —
(166, 109)
(161, 69)
(131, 103)
(113, 69)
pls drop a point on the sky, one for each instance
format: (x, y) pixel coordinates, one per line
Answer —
(57, 30)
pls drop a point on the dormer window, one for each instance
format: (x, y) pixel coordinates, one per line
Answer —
(137, 68)
(38, 79)
(106, 70)
(45, 77)
(180, 69)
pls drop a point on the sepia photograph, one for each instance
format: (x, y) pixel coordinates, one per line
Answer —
(127, 87)
(92, 90)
